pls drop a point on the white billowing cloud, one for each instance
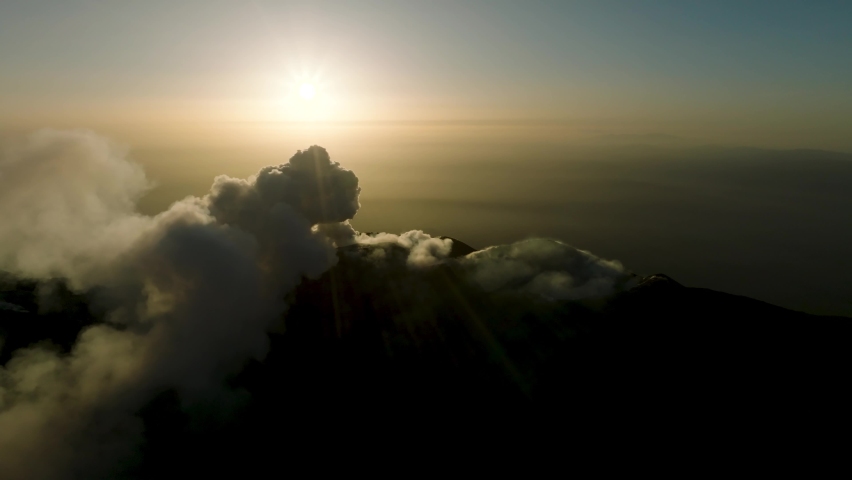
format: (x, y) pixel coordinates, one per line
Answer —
(318, 189)
(424, 249)
(547, 268)
(281, 205)
(341, 234)
(195, 288)
(67, 201)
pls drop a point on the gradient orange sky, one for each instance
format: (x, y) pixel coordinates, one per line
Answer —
(161, 73)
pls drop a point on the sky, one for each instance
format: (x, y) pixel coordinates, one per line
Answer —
(769, 74)
(619, 127)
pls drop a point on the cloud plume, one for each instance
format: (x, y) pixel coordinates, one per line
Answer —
(189, 293)
(424, 249)
(187, 297)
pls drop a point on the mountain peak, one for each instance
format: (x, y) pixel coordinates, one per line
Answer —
(657, 281)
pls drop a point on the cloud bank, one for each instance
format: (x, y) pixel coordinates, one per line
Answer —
(547, 268)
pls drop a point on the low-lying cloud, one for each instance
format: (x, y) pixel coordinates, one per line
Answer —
(548, 268)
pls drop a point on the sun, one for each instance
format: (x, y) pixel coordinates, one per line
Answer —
(306, 96)
(307, 91)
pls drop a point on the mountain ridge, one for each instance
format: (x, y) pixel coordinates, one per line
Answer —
(378, 346)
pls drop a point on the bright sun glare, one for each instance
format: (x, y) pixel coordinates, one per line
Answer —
(306, 97)
(307, 91)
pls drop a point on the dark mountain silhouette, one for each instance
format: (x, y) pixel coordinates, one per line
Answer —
(377, 347)
(459, 249)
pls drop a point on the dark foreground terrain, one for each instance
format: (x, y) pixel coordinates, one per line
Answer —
(420, 358)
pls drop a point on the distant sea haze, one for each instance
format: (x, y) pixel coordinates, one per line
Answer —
(769, 224)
